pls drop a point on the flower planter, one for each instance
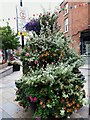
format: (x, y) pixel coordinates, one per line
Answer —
(52, 118)
(52, 83)
(16, 67)
(9, 64)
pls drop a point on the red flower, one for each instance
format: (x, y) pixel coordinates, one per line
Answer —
(27, 54)
(30, 98)
(19, 103)
(3, 61)
(36, 61)
(38, 118)
(33, 99)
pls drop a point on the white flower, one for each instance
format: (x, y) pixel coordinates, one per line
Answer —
(62, 112)
(68, 117)
(49, 106)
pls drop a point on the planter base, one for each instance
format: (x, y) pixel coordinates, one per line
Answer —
(16, 67)
(53, 118)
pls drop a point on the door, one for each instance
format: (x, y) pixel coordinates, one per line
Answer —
(87, 46)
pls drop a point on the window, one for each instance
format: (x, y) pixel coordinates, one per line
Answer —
(66, 8)
(66, 25)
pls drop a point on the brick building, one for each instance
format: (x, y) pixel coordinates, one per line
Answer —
(74, 19)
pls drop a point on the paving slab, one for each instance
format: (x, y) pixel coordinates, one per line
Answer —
(4, 114)
(23, 114)
(12, 100)
(10, 108)
(6, 71)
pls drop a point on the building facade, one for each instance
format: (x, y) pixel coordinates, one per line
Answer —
(74, 21)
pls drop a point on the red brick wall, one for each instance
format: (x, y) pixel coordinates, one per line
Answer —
(89, 15)
(79, 18)
(78, 21)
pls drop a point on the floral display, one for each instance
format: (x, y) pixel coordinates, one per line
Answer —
(52, 81)
(33, 25)
(57, 91)
(44, 22)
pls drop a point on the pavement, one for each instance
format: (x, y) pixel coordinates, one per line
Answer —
(9, 108)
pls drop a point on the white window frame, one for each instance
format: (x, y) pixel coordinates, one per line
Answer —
(66, 24)
(66, 10)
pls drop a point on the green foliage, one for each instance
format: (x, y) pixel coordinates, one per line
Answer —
(58, 90)
(47, 23)
(8, 39)
(51, 78)
(42, 50)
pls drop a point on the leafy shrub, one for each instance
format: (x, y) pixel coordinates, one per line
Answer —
(56, 91)
(42, 50)
(51, 81)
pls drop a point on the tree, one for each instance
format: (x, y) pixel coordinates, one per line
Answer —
(8, 39)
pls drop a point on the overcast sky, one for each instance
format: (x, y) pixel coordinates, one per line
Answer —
(8, 8)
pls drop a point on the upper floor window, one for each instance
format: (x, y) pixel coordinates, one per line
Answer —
(66, 8)
(66, 25)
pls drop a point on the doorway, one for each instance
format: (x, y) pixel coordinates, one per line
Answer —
(87, 47)
(85, 42)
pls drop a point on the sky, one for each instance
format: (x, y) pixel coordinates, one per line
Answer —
(8, 9)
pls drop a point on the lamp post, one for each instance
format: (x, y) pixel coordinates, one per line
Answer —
(20, 2)
(22, 36)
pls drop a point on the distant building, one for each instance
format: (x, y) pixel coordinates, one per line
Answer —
(74, 20)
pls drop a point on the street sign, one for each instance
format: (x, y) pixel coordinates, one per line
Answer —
(22, 19)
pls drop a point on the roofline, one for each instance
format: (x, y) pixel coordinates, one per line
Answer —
(62, 2)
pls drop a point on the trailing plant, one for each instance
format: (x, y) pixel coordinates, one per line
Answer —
(52, 80)
(56, 91)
